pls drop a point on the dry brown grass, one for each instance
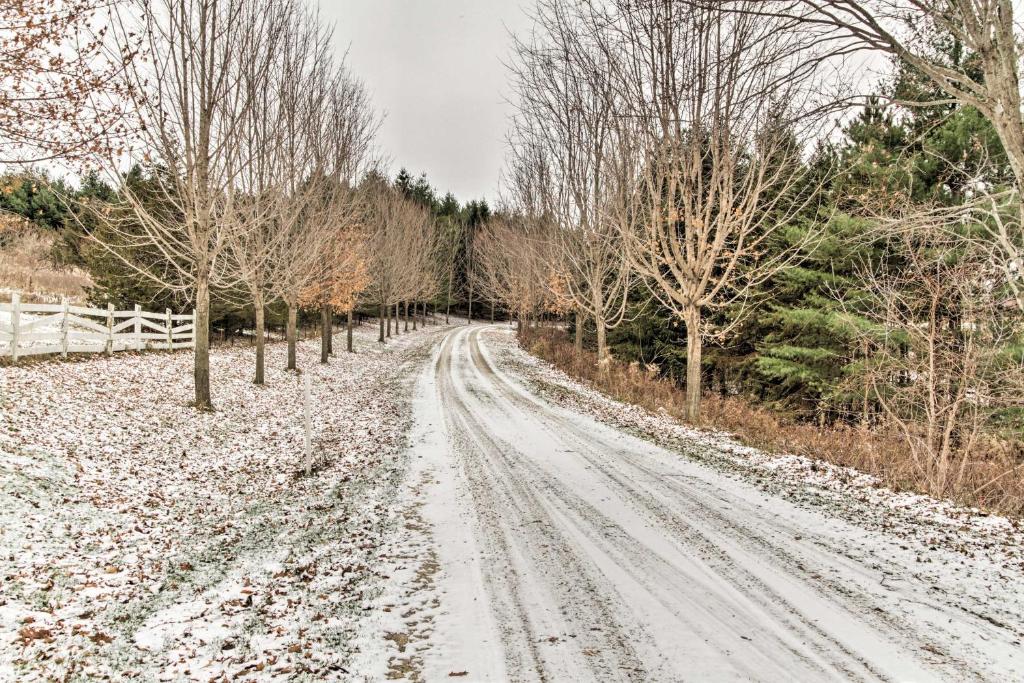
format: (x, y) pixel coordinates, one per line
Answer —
(993, 480)
(25, 264)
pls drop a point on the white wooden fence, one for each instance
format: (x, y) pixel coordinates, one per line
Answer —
(35, 329)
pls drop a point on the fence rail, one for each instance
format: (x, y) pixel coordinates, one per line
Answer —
(35, 329)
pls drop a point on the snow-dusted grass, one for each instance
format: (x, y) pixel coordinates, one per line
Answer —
(141, 538)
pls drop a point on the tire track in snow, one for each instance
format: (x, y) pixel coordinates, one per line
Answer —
(694, 513)
(729, 589)
(498, 491)
(688, 575)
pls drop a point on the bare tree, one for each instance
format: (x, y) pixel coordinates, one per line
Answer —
(307, 134)
(468, 247)
(417, 279)
(425, 262)
(399, 249)
(316, 201)
(986, 29)
(515, 265)
(565, 134)
(450, 235)
(297, 263)
(340, 272)
(347, 140)
(987, 79)
(252, 249)
(264, 203)
(708, 160)
(191, 98)
(939, 364)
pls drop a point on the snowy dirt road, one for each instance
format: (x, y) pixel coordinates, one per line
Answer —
(543, 544)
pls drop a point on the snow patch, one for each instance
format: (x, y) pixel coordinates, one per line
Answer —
(144, 539)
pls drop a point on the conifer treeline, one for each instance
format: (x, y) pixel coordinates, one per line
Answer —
(44, 201)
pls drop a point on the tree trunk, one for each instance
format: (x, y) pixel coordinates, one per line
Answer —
(325, 334)
(415, 314)
(865, 420)
(603, 357)
(388, 309)
(398, 318)
(579, 334)
(260, 338)
(406, 316)
(348, 332)
(201, 368)
(693, 373)
(470, 320)
(381, 338)
(602, 340)
(292, 332)
(448, 300)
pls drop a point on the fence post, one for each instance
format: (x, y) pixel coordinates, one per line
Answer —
(110, 330)
(308, 440)
(64, 328)
(138, 327)
(15, 325)
(170, 335)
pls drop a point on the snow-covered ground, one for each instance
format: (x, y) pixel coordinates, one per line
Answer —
(142, 539)
(474, 515)
(545, 540)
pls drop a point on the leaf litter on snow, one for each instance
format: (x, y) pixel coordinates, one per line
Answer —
(141, 538)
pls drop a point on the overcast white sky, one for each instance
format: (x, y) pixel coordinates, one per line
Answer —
(436, 68)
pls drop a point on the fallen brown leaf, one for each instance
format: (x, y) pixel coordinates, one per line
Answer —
(27, 634)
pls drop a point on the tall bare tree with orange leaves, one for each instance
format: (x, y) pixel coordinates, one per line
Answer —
(340, 274)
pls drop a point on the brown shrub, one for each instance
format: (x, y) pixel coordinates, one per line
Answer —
(25, 264)
(993, 479)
